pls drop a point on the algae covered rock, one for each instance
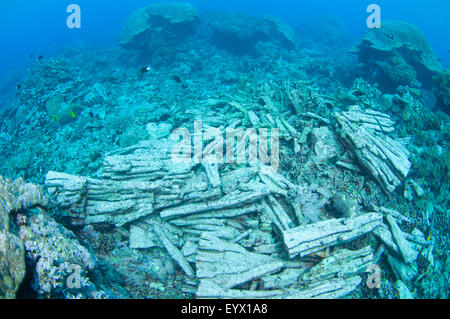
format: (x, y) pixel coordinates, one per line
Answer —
(401, 55)
(58, 263)
(61, 262)
(12, 264)
(12, 257)
(14, 196)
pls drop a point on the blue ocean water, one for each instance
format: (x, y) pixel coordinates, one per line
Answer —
(87, 115)
(39, 26)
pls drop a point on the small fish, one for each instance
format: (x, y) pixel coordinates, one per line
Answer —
(55, 118)
(428, 238)
(72, 114)
(358, 93)
(176, 78)
(40, 57)
(18, 86)
(145, 69)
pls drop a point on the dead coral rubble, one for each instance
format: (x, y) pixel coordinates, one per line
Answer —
(365, 134)
(405, 250)
(227, 226)
(311, 238)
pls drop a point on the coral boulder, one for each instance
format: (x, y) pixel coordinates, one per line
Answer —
(158, 29)
(398, 54)
(240, 33)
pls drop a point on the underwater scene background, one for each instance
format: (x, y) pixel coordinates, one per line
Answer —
(224, 149)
